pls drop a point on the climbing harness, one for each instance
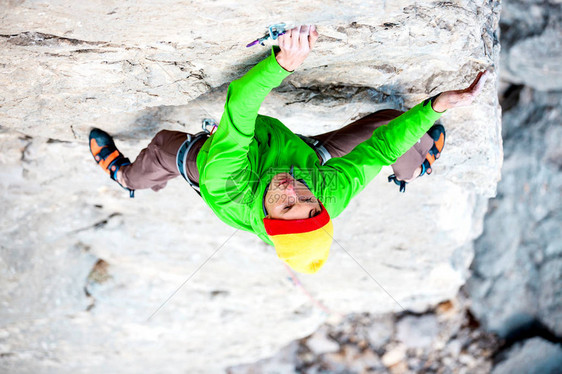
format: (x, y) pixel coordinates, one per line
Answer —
(317, 146)
(181, 157)
(273, 32)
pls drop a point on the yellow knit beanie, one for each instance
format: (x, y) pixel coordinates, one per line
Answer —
(304, 244)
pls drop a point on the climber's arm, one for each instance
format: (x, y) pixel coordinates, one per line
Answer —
(344, 177)
(227, 159)
(226, 174)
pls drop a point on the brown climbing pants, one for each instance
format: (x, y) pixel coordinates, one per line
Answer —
(156, 164)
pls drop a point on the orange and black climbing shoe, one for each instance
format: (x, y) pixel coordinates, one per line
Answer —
(437, 133)
(107, 155)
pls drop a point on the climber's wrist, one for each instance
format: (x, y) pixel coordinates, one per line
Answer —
(438, 103)
(438, 106)
(285, 62)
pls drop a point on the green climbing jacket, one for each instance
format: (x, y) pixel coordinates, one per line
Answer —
(239, 160)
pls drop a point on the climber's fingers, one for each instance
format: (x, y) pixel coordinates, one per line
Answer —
(313, 37)
(285, 40)
(282, 40)
(473, 84)
(467, 96)
(295, 33)
(476, 86)
(295, 46)
(290, 39)
(458, 98)
(303, 37)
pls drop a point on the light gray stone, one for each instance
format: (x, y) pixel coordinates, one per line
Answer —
(517, 269)
(534, 356)
(417, 332)
(536, 61)
(531, 50)
(320, 343)
(454, 347)
(380, 332)
(394, 356)
(282, 363)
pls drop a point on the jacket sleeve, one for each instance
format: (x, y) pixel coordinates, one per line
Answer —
(227, 175)
(342, 178)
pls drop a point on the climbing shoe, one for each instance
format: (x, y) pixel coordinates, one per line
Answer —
(107, 155)
(437, 133)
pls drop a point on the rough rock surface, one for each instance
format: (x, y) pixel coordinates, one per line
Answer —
(533, 356)
(458, 345)
(83, 267)
(532, 43)
(517, 270)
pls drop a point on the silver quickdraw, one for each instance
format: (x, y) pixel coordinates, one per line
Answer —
(273, 32)
(209, 122)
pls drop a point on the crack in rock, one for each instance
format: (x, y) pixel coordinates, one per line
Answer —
(28, 38)
(99, 224)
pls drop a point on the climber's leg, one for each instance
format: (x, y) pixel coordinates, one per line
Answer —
(156, 164)
(409, 165)
(340, 142)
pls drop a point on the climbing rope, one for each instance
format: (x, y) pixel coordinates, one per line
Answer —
(314, 301)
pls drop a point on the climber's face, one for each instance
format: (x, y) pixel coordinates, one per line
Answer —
(290, 199)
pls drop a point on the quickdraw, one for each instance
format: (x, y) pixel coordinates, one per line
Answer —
(273, 32)
(209, 122)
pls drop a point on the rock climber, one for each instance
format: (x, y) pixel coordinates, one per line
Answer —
(257, 175)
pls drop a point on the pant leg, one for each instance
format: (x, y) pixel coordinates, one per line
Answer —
(156, 164)
(341, 142)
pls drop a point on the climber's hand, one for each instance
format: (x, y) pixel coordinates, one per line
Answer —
(295, 45)
(453, 99)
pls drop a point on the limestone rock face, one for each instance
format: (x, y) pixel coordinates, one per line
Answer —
(517, 268)
(516, 282)
(447, 340)
(533, 356)
(531, 43)
(86, 273)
